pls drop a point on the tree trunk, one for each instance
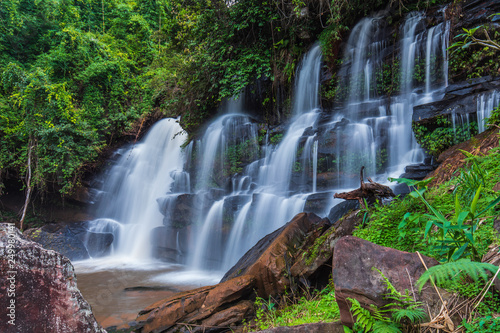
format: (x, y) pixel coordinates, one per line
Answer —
(28, 188)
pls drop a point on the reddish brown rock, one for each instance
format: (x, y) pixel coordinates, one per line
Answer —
(271, 258)
(41, 284)
(353, 276)
(211, 307)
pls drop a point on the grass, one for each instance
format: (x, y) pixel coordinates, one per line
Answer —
(318, 307)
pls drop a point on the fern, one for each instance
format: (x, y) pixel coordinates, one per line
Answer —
(402, 308)
(366, 318)
(385, 327)
(453, 271)
(413, 314)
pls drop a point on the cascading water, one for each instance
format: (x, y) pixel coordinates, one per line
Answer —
(127, 203)
(371, 130)
(263, 194)
(485, 104)
(217, 208)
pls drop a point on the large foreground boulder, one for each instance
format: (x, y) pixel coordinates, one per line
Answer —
(38, 291)
(354, 277)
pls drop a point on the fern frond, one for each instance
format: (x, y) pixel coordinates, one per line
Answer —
(414, 315)
(385, 327)
(392, 290)
(364, 317)
(453, 271)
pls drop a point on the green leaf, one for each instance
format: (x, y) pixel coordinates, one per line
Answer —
(458, 253)
(474, 201)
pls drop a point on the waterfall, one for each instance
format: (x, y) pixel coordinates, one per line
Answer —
(235, 184)
(145, 171)
(486, 103)
(273, 199)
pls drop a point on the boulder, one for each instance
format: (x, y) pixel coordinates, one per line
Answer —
(271, 258)
(41, 289)
(417, 171)
(311, 265)
(170, 244)
(317, 203)
(207, 309)
(353, 277)
(71, 239)
(341, 209)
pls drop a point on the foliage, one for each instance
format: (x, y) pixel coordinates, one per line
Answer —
(320, 307)
(403, 309)
(456, 270)
(487, 324)
(441, 135)
(468, 38)
(455, 238)
(494, 118)
(470, 178)
(472, 52)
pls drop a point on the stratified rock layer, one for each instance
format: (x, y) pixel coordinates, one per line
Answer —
(44, 287)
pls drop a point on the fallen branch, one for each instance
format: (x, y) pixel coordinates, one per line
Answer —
(367, 191)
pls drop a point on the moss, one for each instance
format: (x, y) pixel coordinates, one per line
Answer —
(318, 248)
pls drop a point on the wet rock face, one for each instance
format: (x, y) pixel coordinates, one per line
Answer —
(40, 287)
(460, 98)
(353, 276)
(69, 238)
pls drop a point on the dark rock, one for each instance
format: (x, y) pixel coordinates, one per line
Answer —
(353, 276)
(98, 244)
(341, 209)
(72, 239)
(46, 295)
(271, 258)
(311, 265)
(179, 211)
(460, 99)
(64, 238)
(335, 327)
(215, 194)
(317, 203)
(234, 203)
(476, 12)
(400, 189)
(170, 244)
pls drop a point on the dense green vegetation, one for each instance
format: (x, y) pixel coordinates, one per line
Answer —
(76, 76)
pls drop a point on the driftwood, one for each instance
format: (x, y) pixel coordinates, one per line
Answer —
(369, 191)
